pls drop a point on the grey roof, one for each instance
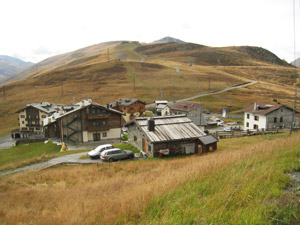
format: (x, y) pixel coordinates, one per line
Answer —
(80, 105)
(169, 128)
(208, 139)
(48, 107)
(124, 102)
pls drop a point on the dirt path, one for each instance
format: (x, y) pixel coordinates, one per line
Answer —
(205, 94)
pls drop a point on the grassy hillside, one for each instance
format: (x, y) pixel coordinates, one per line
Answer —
(242, 183)
(161, 71)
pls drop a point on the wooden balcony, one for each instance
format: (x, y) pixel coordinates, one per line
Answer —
(95, 117)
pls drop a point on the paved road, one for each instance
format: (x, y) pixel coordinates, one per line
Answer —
(73, 158)
(6, 142)
(212, 93)
(67, 159)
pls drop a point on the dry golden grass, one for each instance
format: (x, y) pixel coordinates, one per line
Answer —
(115, 193)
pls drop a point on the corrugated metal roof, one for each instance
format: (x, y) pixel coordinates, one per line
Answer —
(170, 128)
(208, 139)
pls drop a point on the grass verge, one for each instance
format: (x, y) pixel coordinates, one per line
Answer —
(242, 183)
(26, 154)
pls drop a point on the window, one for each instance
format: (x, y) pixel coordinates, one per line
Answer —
(275, 119)
(96, 123)
(149, 148)
(24, 128)
(135, 138)
(22, 116)
(256, 118)
(44, 116)
(255, 127)
(29, 117)
(248, 116)
(22, 122)
(37, 116)
(247, 124)
(104, 122)
(281, 119)
(104, 134)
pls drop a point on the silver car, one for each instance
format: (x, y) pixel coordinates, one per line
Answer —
(116, 154)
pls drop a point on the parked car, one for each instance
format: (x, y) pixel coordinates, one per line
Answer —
(116, 154)
(227, 129)
(220, 123)
(95, 153)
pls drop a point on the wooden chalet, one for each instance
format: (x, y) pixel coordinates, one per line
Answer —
(131, 107)
(88, 123)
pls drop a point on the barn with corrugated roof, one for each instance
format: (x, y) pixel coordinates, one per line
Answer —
(168, 135)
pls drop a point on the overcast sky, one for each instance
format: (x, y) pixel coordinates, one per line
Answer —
(33, 30)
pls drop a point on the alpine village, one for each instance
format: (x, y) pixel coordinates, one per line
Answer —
(168, 132)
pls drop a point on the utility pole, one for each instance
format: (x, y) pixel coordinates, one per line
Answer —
(3, 89)
(108, 55)
(294, 110)
(71, 97)
(134, 82)
(36, 95)
(161, 93)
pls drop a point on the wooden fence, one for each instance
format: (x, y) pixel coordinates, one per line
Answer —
(234, 134)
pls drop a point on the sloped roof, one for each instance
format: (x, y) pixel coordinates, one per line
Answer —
(186, 106)
(42, 106)
(208, 139)
(125, 102)
(169, 128)
(263, 108)
(81, 105)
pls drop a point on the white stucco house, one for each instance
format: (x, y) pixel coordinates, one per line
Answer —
(262, 116)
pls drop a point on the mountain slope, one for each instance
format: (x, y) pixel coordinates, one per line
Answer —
(59, 60)
(296, 63)
(10, 65)
(168, 40)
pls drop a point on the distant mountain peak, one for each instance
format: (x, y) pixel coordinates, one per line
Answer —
(168, 39)
(296, 62)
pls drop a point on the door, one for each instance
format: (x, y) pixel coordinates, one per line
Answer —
(96, 136)
(189, 148)
(144, 145)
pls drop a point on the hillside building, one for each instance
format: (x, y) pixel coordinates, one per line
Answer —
(193, 110)
(131, 108)
(30, 119)
(89, 122)
(171, 135)
(262, 116)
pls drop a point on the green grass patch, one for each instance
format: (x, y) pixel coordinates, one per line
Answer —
(247, 192)
(26, 154)
(126, 147)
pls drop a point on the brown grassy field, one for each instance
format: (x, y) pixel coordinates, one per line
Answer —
(118, 193)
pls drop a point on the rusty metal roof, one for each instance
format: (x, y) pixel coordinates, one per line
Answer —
(186, 106)
(170, 128)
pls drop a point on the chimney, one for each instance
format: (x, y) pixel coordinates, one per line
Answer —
(90, 99)
(107, 106)
(255, 106)
(151, 124)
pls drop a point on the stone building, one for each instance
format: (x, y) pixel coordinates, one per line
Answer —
(172, 135)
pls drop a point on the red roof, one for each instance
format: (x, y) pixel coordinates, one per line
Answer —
(263, 108)
(187, 106)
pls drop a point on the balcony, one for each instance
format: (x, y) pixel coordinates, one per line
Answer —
(93, 117)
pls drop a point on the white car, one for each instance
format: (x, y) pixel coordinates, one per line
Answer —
(95, 153)
(227, 129)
